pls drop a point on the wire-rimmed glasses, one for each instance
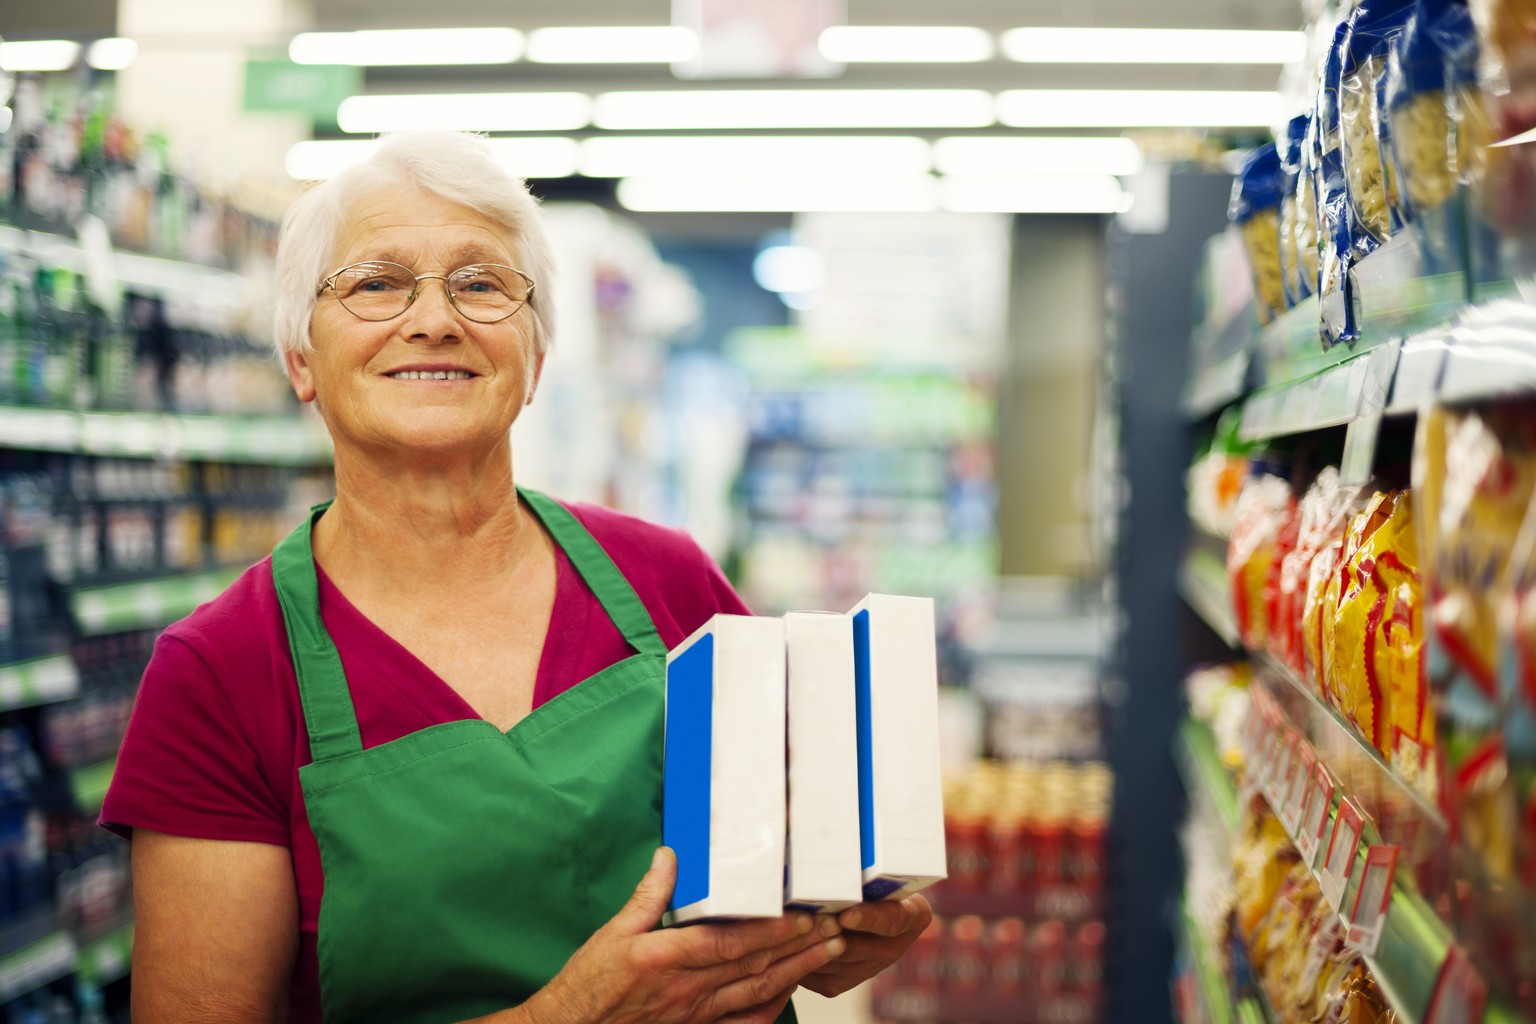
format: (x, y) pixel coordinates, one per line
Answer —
(374, 290)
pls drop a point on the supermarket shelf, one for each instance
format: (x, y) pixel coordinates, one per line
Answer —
(38, 681)
(150, 275)
(267, 440)
(1204, 587)
(148, 604)
(1330, 398)
(1200, 765)
(89, 784)
(34, 952)
(107, 957)
(1217, 386)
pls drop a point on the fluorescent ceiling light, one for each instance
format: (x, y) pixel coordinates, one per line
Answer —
(913, 193)
(39, 55)
(905, 44)
(379, 48)
(636, 44)
(483, 112)
(985, 155)
(1138, 108)
(1086, 193)
(793, 269)
(760, 156)
(534, 157)
(111, 54)
(1152, 46)
(795, 108)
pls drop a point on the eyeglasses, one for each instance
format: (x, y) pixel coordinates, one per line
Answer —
(486, 293)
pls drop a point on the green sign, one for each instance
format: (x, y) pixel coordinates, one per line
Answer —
(280, 86)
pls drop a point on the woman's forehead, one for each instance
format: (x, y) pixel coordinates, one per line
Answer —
(408, 226)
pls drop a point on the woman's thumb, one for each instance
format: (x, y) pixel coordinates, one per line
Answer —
(650, 897)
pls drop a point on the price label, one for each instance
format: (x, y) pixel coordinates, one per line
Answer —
(1296, 787)
(1460, 995)
(1369, 914)
(1314, 814)
(1285, 757)
(1340, 859)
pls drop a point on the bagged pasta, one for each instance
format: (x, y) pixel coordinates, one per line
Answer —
(1431, 95)
(1362, 73)
(1293, 286)
(1312, 534)
(1334, 507)
(1335, 288)
(1308, 212)
(1345, 683)
(1504, 178)
(1255, 210)
(1253, 551)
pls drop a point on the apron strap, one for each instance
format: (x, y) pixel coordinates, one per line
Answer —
(608, 584)
(323, 691)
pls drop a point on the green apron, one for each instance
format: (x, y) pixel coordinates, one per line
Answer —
(463, 865)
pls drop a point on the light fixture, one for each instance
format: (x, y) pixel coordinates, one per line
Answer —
(912, 193)
(39, 55)
(485, 112)
(789, 269)
(610, 44)
(388, 47)
(991, 155)
(531, 157)
(1137, 108)
(794, 108)
(905, 44)
(621, 156)
(112, 54)
(1080, 193)
(1152, 46)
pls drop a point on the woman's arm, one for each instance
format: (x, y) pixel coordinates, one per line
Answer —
(216, 933)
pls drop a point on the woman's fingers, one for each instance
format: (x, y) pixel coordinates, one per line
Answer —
(649, 900)
(710, 945)
(780, 977)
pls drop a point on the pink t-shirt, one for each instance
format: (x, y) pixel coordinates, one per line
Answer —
(217, 737)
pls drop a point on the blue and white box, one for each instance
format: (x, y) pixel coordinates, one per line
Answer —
(723, 765)
(896, 699)
(822, 873)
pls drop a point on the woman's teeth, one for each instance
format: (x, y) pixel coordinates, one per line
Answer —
(432, 375)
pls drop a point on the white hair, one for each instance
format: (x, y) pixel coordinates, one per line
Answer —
(457, 167)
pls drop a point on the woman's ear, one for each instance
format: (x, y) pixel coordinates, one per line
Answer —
(300, 374)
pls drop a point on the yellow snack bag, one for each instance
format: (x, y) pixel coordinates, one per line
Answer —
(1252, 553)
(1346, 684)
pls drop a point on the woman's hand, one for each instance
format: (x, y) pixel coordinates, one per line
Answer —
(741, 972)
(877, 934)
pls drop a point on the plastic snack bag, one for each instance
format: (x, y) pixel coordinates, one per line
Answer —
(1308, 212)
(1312, 535)
(1363, 69)
(1293, 280)
(1253, 550)
(1395, 646)
(1346, 685)
(1334, 288)
(1337, 508)
(1431, 93)
(1255, 210)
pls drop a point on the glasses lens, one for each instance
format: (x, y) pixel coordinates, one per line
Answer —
(488, 292)
(375, 291)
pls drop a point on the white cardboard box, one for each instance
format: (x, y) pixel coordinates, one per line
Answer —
(822, 871)
(723, 764)
(901, 800)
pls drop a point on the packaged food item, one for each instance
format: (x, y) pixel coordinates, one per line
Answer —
(1312, 522)
(1255, 210)
(1293, 281)
(1335, 230)
(1254, 550)
(1216, 478)
(1395, 644)
(1431, 95)
(1507, 56)
(1480, 468)
(723, 769)
(901, 805)
(1352, 683)
(1363, 69)
(1309, 236)
(822, 873)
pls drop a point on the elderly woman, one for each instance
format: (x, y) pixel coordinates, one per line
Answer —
(408, 768)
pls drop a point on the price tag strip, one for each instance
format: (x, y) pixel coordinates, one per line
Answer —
(1296, 787)
(1280, 778)
(1314, 814)
(1340, 859)
(1369, 914)
(1460, 994)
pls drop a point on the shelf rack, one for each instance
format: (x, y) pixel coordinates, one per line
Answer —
(147, 604)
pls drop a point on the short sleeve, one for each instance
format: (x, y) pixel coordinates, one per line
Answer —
(186, 766)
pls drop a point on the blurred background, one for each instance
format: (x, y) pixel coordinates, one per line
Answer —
(1123, 330)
